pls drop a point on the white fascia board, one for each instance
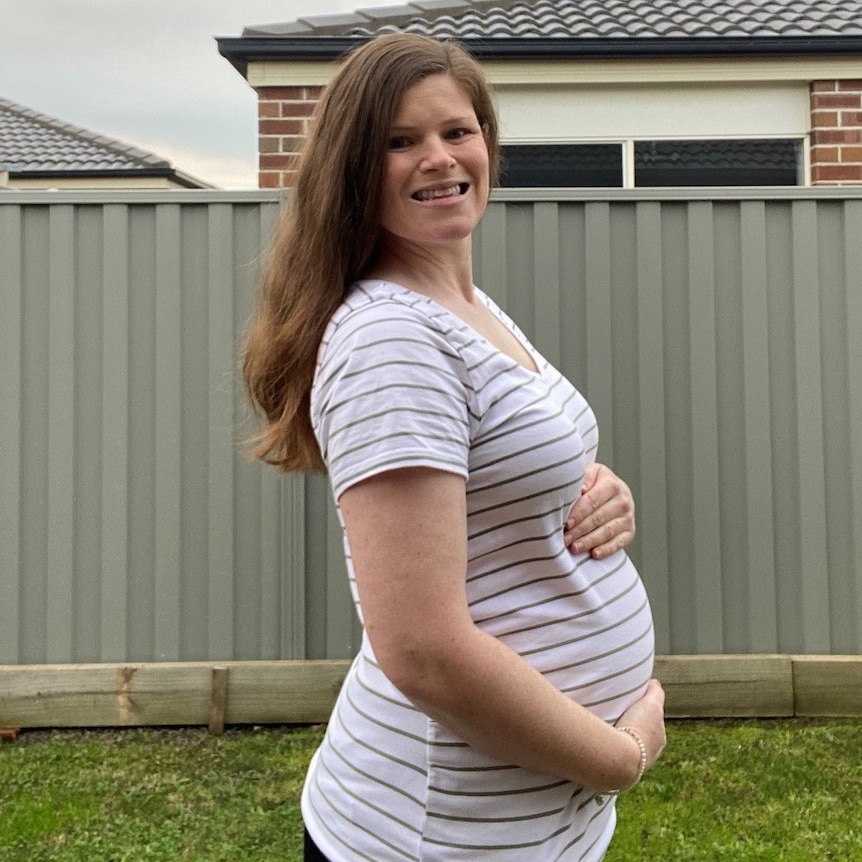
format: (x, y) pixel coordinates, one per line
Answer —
(101, 183)
(658, 71)
(287, 73)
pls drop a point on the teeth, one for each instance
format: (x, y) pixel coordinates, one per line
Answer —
(431, 194)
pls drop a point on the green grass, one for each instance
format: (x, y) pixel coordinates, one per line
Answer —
(789, 791)
(112, 796)
(750, 790)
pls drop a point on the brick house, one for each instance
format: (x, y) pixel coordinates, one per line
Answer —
(610, 93)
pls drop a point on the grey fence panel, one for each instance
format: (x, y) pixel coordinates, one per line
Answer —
(11, 411)
(718, 336)
(132, 529)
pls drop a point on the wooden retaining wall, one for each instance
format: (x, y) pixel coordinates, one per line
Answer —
(303, 692)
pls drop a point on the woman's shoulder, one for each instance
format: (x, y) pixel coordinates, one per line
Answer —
(381, 310)
(380, 324)
(370, 300)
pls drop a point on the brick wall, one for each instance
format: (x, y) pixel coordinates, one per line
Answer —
(836, 132)
(283, 115)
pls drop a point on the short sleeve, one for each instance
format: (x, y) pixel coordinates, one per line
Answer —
(390, 391)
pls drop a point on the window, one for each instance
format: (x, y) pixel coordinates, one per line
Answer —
(762, 162)
(712, 162)
(562, 165)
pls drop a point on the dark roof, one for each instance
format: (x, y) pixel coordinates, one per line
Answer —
(558, 28)
(623, 19)
(35, 145)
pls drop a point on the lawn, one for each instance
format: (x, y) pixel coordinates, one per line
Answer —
(740, 790)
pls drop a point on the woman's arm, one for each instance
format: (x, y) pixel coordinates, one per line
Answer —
(602, 520)
(407, 534)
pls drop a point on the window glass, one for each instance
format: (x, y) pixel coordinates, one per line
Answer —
(562, 165)
(762, 162)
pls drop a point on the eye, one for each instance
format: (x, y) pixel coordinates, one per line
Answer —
(457, 134)
(399, 142)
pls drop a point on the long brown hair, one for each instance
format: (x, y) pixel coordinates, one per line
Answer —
(327, 233)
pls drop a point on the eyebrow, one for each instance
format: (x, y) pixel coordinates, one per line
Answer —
(447, 122)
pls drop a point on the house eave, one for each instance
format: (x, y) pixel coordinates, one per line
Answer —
(240, 51)
(179, 177)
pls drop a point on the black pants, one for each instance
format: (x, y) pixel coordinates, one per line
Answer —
(312, 852)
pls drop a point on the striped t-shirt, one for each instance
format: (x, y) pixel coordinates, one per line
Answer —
(401, 381)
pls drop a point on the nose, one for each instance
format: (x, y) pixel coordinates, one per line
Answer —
(436, 155)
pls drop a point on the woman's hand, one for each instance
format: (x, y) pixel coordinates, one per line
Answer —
(602, 520)
(646, 718)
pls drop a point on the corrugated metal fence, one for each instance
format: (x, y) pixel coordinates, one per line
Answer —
(719, 340)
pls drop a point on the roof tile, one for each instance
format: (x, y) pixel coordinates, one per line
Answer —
(634, 19)
(30, 141)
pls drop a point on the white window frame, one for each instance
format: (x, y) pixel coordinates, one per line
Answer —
(628, 149)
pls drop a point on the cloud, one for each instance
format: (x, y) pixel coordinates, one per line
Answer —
(231, 171)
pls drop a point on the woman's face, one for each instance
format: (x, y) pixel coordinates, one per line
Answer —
(435, 186)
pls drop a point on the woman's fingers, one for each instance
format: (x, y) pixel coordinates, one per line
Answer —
(602, 520)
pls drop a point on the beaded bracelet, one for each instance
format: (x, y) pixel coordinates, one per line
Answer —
(637, 738)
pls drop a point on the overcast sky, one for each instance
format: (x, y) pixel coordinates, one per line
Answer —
(147, 72)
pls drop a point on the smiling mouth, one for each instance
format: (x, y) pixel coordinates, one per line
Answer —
(435, 194)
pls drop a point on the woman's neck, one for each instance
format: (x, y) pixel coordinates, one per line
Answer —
(435, 271)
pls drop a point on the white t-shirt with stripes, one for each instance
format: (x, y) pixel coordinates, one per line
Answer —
(401, 381)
